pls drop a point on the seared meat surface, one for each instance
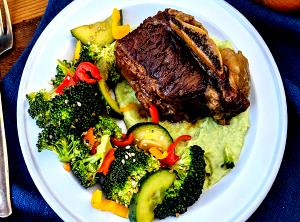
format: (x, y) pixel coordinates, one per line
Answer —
(171, 62)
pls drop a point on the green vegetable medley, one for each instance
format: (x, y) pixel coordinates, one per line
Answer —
(145, 174)
(64, 118)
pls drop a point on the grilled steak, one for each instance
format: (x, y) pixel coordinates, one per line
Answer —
(171, 62)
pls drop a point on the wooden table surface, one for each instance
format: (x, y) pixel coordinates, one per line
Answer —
(25, 16)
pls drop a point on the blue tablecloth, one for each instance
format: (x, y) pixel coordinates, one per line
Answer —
(281, 33)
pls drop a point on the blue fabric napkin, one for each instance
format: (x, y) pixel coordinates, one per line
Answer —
(27, 202)
(281, 33)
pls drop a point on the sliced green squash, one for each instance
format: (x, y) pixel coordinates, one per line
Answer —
(152, 193)
(148, 135)
(98, 33)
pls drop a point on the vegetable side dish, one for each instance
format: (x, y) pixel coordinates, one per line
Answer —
(182, 95)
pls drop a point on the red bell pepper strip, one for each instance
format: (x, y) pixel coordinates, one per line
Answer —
(108, 159)
(67, 82)
(123, 141)
(154, 113)
(182, 138)
(76, 79)
(88, 72)
(172, 158)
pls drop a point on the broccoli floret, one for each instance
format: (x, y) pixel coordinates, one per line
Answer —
(87, 105)
(104, 58)
(74, 111)
(113, 77)
(62, 69)
(61, 112)
(125, 173)
(65, 117)
(67, 147)
(228, 159)
(107, 60)
(50, 134)
(85, 169)
(107, 126)
(39, 106)
(108, 54)
(187, 188)
(89, 53)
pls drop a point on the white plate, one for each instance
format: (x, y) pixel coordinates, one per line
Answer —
(238, 194)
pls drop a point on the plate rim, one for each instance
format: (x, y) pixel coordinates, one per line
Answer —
(281, 140)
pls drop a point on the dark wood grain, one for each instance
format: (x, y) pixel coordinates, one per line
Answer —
(21, 10)
(23, 33)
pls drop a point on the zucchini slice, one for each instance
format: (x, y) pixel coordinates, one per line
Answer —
(98, 33)
(149, 135)
(152, 193)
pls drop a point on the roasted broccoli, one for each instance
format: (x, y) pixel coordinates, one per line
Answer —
(62, 69)
(64, 117)
(107, 126)
(87, 105)
(107, 60)
(228, 159)
(67, 147)
(113, 77)
(61, 112)
(187, 188)
(74, 111)
(85, 169)
(89, 53)
(39, 106)
(104, 58)
(125, 173)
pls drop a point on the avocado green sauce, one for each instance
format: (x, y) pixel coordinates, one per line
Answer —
(212, 137)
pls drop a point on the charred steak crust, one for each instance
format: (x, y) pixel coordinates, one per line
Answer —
(163, 70)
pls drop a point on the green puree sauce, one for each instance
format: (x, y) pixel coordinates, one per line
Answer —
(212, 137)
